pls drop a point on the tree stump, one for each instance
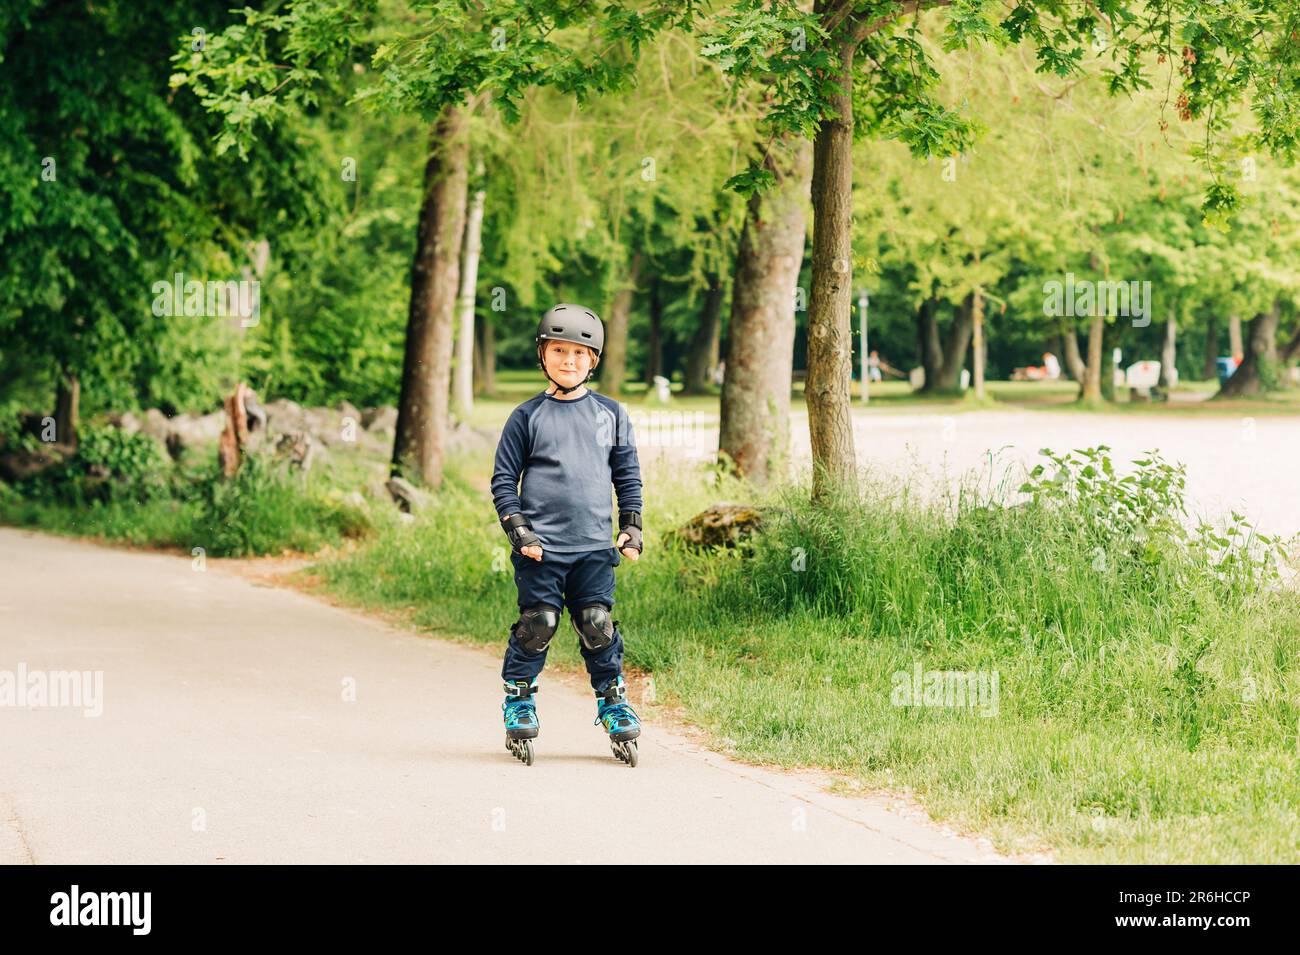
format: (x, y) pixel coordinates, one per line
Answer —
(244, 416)
(722, 525)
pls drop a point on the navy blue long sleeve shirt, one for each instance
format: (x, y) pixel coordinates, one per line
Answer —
(569, 454)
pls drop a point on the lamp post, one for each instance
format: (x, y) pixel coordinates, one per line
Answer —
(864, 302)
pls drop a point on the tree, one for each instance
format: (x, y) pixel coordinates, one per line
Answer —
(109, 194)
(431, 57)
(470, 251)
(754, 431)
(852, 67)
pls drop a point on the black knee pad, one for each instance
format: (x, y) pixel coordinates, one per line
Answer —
(534, 629)
(594, 626)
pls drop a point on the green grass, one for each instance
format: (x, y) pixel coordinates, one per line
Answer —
(264, 510)
(1147, 702)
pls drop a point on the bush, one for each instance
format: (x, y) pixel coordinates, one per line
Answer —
(268, 509)
(109, 465)
(134, 464)
(124, 487)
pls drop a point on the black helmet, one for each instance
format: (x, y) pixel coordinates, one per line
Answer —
(570, 323)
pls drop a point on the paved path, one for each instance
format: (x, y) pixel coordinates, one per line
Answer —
(225, 737)
(1243, 463)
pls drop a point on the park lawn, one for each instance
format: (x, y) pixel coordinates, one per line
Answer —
(514, 387)
(1146, 710)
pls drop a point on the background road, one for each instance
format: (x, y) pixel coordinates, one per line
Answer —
(1244, 463)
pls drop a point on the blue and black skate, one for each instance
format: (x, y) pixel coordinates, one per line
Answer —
(619, 719)
(521, 720)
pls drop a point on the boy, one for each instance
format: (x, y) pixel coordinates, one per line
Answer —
(569, 444)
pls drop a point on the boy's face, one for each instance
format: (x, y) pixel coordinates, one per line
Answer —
(569, 362)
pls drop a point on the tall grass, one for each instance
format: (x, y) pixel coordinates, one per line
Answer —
(264, 509)
(1147, 673)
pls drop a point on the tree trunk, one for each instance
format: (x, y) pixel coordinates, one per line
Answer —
(485, 369)
(830, 425)
(978, 354)
(234, 437)
(1292, 350)
(1111, 333)
(1092, 378)
(478, 360)
(947, 377)
(755, 427)
(715, 346)
(1210, 369)
(1074, 365)
(613, 360)
(1235, 346)
(654, 356)
(1262, 351)
(435, 278)
(704, 343)
(67, 409)
(1169, 354)
(464, 383)
(927, 329)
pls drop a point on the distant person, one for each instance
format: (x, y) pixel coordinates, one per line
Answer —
(876, 365)
(1049, 370)
(719, 373)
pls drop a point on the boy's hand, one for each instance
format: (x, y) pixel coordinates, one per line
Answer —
(627, 552)
(521, 536)
(629, 533)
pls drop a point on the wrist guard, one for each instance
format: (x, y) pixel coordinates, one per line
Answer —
(519, 532)
(629, 522)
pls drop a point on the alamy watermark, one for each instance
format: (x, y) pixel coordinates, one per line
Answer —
(128, 909)
(211, 299)
(79, 689)
(669, 429)
(1075, 298)
(952, 689)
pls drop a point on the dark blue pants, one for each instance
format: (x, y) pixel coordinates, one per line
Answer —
(573, 581)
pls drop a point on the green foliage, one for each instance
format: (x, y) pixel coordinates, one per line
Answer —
(123, 487)
(1222, 52)
(1139, 520)
(110, 189)
(266, 509)
(109, 465)
(437, 54)
(136, 465)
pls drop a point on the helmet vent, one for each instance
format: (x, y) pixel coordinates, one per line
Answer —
(585, 334)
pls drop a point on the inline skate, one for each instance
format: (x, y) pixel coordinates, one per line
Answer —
(520, 713)
(619, 719)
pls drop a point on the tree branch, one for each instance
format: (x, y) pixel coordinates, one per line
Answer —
(864, 28)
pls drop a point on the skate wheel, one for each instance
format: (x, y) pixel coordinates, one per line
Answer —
(629, 748)
(521, 749)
